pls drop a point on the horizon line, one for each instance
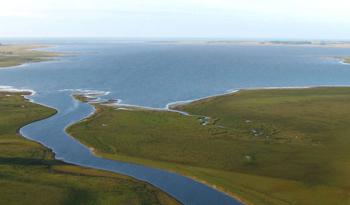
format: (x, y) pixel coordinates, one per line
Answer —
(175, 38)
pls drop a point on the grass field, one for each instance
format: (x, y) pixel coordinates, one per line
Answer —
(13, 55)
(279, 146)
(30, 175)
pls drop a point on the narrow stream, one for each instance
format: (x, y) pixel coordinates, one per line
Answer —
(50, 132)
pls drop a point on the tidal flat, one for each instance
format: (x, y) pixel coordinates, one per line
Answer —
(29, 174)
(269, 146)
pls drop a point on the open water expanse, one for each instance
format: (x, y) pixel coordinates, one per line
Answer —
(154, 74)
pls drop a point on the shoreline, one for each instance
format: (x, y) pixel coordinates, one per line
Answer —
(26, 64)
(8, 88)
(174, 104)
(169, 107)
(32, 53)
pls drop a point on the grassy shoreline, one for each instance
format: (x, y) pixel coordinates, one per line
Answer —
(20, 54)
(257, 138)
(30, 172)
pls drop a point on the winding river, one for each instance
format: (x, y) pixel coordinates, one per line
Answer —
(50, 132)
(152, 75)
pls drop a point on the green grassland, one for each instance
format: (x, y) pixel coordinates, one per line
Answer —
(13, 55)
(278, 146)
(29, 174)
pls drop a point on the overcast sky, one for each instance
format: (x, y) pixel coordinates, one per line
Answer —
(242, 19)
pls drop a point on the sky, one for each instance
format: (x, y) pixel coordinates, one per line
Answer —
(220, 19)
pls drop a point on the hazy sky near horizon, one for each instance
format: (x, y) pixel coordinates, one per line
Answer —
(242, 19)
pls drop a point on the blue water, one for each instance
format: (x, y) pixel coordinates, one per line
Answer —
(154, 74)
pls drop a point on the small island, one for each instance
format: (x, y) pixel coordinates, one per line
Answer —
(18, 54)
(268, 146)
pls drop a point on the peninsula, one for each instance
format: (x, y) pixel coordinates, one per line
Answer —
(269, 146)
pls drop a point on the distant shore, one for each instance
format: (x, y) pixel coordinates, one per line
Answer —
(331, 44)
(13, 55)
